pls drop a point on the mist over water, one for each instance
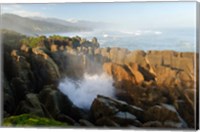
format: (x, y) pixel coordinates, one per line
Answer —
(172, 39)
(83, 92)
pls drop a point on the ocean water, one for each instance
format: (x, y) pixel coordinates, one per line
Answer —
(167, 39)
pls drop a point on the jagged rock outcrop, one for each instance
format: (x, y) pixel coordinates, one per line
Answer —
(119, 73)
(152, 88)
(166, 68)
(168, 75)
(134, 68)
(19, 74)
(44, 68)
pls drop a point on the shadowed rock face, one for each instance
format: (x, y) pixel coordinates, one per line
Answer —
(123, 114)
(153, 88)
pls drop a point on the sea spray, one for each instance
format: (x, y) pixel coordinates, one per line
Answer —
(84, 91)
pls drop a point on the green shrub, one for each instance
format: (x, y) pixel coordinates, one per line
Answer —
(33, 41)
(57, 37)
(31, 120)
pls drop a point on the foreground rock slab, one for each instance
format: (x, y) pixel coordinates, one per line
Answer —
(119, 112)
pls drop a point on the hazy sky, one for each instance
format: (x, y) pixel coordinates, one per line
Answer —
(147, 15)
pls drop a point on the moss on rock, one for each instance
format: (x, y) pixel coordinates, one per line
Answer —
(31, 120)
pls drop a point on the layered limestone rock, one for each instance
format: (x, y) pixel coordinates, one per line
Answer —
(155, 86)
(166, 68)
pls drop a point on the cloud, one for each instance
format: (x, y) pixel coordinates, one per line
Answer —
(105, 35)
(17, 9)
(138, 33)
(25, 13)
(72, 20)
(10, 8)
(157, 32)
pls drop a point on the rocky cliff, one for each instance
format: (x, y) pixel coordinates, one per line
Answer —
(153, 88)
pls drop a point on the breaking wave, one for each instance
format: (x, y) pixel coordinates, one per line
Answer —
(84, 91)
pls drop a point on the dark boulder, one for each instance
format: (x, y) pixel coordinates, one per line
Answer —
(155, 124)
(186, 114)
(164, 113)
(55, 102)
(20, 89)
(65, 118)
(61, 59)
(31, 105)
(20, 73)
(118, 111)
(126, 119)
(105, 121)
(45, 70)
(8, 97)
(86, 123)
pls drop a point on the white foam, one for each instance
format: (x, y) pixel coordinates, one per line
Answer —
(82, 93)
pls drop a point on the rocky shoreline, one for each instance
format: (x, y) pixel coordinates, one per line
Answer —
(154, 89)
